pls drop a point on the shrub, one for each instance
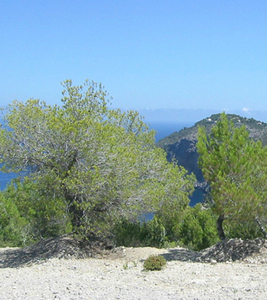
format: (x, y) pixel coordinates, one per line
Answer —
(139, 234)
(196, 228)
(246, 230)
(154, 262)
(31, 212)
(12, 225)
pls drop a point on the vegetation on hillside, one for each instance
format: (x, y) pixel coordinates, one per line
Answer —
(257, 130)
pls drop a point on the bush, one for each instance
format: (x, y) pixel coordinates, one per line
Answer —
(140, 234)
(154, 263)
(13, 226)
(246, 230)
(193, 227)
(196, 228)
(31, 212)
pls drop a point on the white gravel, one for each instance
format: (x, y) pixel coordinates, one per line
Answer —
(124, 278)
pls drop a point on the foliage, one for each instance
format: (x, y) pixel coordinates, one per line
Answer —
(246, 230)
(194, 227)
(234, 165)
(140, 234)
(197, 228)
(100, 164)
(154, 263)
(45, 214)
(13, 226)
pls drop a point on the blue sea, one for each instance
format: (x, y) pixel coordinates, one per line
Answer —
(5, 178)
(162, 130)
(165, 129)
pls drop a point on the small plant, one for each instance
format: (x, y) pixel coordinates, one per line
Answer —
(154, 262)
(128, 265)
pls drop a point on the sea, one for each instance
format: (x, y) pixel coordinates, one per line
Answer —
(162, 130)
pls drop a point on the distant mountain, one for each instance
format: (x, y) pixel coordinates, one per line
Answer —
(257, 129)
(181, 145)
(193, 115)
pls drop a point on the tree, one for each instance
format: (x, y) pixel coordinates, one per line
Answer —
(102, 162)
(235, 167)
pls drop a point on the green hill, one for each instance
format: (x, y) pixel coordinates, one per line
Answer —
(257, 129)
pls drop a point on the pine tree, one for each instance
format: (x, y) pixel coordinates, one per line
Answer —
(235, 167)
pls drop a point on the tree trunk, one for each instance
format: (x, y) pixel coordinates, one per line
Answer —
(76, 216)
(76, 213)
(220, 227)
(262, 229)
(73, 204)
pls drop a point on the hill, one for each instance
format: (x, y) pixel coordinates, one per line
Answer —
(181, 145)
(257, 129)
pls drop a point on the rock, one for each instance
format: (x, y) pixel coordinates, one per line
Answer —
(235, 250)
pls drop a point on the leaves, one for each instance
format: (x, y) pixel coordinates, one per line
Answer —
(102, 163)
(234, 165)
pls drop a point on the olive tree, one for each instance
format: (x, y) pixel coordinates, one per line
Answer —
(102, 162)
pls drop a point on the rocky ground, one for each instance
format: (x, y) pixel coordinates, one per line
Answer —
(61, 269)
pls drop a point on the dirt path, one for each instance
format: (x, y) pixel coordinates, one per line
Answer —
(124, 278)
(119, 274)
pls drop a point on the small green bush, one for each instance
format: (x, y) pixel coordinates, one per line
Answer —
(154, 262)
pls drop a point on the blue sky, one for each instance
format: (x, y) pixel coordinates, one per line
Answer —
(148, 54)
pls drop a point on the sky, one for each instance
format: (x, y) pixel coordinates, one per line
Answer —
(153, 55)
